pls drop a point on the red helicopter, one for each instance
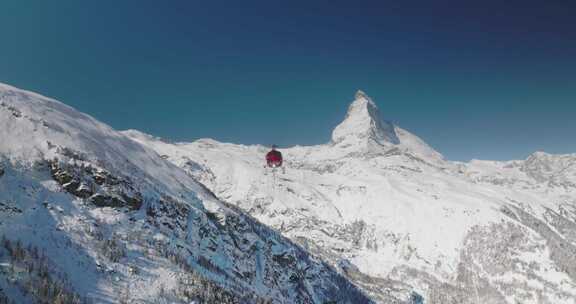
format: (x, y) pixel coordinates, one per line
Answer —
(274, 158)
(274, 161)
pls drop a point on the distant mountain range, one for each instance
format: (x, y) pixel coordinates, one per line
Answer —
(92, 215)
(396, 218)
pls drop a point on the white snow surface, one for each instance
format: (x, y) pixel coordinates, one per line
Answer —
(32, 126)
(418, 208)
(177, 211)
(376, 197)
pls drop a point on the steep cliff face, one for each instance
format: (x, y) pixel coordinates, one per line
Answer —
(398, 219)
(88, 215)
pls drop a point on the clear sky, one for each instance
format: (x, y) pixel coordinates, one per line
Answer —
(474, 79)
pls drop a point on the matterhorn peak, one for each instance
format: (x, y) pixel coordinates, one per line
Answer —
(363, 125)
(361, 100)
(361, 95)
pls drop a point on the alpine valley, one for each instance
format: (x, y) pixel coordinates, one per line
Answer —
(92, 215)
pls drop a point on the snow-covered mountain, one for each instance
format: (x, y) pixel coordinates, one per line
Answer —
(397, 219)
(87, 215)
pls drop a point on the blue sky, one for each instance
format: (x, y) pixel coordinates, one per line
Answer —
(490, 81)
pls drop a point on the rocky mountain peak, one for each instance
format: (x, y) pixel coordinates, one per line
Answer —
(363, 124)
(360, 95)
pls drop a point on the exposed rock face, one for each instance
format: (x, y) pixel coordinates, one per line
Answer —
(98, 186)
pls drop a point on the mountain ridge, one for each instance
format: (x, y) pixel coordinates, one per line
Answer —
(392, 218)
(112, 221)
(397, 217)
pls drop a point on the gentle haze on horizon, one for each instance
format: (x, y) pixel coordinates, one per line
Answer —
(489, 80)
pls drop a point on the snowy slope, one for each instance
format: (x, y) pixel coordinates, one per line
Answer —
(396, 218)
(88, 215)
